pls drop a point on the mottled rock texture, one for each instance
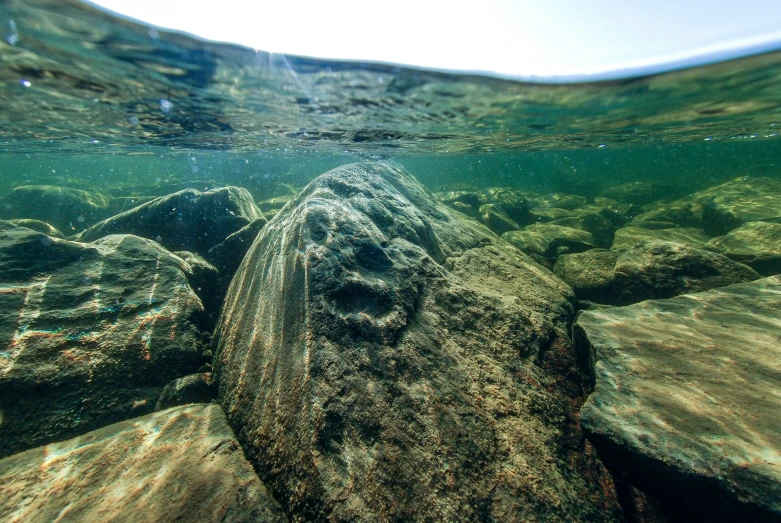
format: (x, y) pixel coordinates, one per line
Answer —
(629, 237)
(89, 333)
(687, 399)
(757, 244)
(187, 220)
(659, 269)
(382, 359)
(729, 205)
(547, 240)
(591, 274)
(181, 464)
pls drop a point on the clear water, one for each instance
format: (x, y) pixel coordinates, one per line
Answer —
(108, 106)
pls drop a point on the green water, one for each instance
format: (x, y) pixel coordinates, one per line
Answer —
(127, 113)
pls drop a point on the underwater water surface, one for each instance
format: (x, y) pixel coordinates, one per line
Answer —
(386, 294)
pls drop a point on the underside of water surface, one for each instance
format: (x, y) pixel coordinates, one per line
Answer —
(243, 286)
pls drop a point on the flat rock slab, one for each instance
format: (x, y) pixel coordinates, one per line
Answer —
(630, 237)
(688, 396)
(180, 464)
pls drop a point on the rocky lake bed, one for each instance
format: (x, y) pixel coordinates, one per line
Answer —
(369, 349)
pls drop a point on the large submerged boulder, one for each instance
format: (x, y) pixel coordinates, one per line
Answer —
(65, 208)
(181, 464)
(89, 333)
(188, 220)
(382, 359)
(686, 404)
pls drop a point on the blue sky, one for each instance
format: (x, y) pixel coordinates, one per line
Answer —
(543, 38)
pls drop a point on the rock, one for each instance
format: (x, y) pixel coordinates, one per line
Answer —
(89, 333)
(275, 203)
(465, 197)
(195, 388)
(600, 228)
(468, 210)
(65, 208)
(227, 255)
(548, 240)
(566, 201)
(548, 214)
(729, 205)
(204, 280)
(37, 225)
(658, 269)
(381, 358)
(591, 274)
(181, 464)
(686, 404)
(640, 193)
(678, 214)
(513, 202)
(494, 217)
(757, 244)
(188, 220)
(629, 237)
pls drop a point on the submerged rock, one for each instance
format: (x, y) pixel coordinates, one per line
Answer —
(37, 225)
(630, 237)
(757, 244)
(591, 274)
(548, 240)
(381, 358)
(660, 269)
(729, 205)
(195, 388)
(65, 208)
(276, 203)
(227, 255)
(600, 228)
(686, 404)
(653, 269)
(181, 464)
(89, 333)
(188, 220)
(640, 193)
(496, 219)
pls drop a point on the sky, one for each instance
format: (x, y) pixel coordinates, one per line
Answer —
(521, 39)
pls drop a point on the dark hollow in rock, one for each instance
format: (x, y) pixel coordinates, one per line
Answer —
(181, 464)
(686, 405)
(381, 358)
(187, 220)
(89, 333)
